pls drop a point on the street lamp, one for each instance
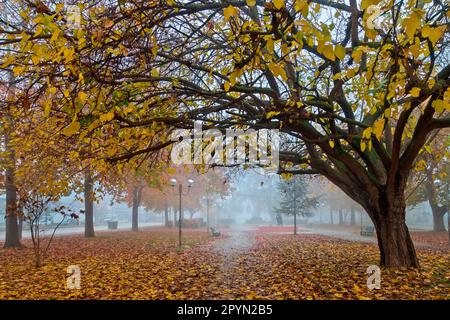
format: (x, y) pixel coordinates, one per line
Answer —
(173, 183)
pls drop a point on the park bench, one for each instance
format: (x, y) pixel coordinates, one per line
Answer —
(368, 231)
(214, 232)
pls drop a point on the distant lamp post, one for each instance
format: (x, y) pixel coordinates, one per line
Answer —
(173, 183)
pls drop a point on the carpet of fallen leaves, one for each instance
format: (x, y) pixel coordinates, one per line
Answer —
(147, 265)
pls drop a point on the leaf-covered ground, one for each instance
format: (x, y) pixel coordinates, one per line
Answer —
(240, 265)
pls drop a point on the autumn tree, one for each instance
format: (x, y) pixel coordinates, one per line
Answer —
(295, 200)
(432, 179)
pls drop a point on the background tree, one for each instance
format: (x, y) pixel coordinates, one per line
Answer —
(32, 208)
(294, 199)
(432, 179)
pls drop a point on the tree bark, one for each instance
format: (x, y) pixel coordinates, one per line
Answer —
(88, 205)
(394, 241)
(137, 195)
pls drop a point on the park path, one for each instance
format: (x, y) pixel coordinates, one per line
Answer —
(232, 250)
(237, 242)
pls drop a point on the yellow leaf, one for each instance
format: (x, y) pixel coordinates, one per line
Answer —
(278, 4)
(72, 129)
(107, 116)
(339, 51)
(331, 142)
(439, 105)
(434, 34)
(18, 70)
(363, 146)
(229, 12)
(367, 3)
(251, 3)
(415, 92)
(171, 170)
(326, 50)
(155, 73)
(302, 5)
(82, 96)
(412, 23)
(378, 128)
(55, 35)
(286, 176)
(47, 108)
(272, 114)
(227, 86)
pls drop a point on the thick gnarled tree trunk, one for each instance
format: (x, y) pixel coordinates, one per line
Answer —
(394, 241)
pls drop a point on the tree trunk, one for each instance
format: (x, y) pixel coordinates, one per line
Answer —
(331, 216)
(437, 211)
(394, 241)
(207, 214)
(352, 216)
(12, 236)
(137, 194)
(438, 219)
(341, 217)
(166, 214)
(295, 224)
(88, 205)
(20, 226)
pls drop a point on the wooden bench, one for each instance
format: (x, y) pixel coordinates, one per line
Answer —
(214, 232)
(368, 231)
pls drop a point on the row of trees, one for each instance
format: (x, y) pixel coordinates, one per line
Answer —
(357, 88)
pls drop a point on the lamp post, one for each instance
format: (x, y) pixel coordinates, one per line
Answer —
(173, 183)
